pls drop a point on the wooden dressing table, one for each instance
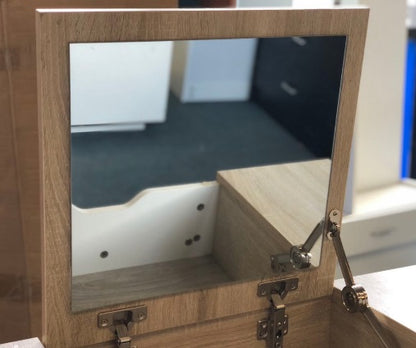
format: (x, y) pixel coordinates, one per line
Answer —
(246, 312)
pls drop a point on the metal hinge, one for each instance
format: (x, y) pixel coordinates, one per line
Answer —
(276, 325)
(299, 256)
(120, 321)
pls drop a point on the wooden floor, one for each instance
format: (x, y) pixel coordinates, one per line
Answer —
(129, 284)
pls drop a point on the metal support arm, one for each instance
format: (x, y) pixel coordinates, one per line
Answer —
(354, 296)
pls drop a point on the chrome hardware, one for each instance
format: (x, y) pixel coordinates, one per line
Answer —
(354, 296)
(120, 321)
(276, 325)
(334, 223)
(334, 234)
(123, 340)
(277, 287)
(299, 256)
(280, 263)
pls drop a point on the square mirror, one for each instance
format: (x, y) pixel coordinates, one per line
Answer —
(178, 146)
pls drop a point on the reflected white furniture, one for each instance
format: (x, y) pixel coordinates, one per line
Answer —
(380, 235)
(213, 70)
(119, 86)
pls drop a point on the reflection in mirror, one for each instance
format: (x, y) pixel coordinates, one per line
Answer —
(198, 163)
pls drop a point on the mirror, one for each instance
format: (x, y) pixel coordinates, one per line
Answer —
(198, 163)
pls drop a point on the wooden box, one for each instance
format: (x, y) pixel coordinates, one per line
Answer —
(227, 315)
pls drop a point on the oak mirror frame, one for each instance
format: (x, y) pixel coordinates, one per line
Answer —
(56, 30)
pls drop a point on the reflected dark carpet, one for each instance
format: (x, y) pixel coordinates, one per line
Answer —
(196, 141)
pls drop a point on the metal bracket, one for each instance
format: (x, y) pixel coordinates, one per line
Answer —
(279, 287)
(354, 296)
(280, 263)
(299, 256)
(276, 325)
(334, 223)
(120, 321)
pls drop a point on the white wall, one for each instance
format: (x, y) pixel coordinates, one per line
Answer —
(288, 3)
(350, 2)
(313, 3)
(378, 132)
(264, 3)
(378, 235)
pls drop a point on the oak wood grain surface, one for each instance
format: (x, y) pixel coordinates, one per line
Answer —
(102, 289)
(309, 324)
(291, 197)
(19, 152)
(263, 211)
(242, 242)
(55, 30)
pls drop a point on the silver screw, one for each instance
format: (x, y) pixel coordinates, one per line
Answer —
(104, 322)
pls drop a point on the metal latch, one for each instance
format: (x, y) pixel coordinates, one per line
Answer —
(120, 321)
(276, 325)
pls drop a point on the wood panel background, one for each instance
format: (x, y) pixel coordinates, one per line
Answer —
(20, 261)
(54, 31)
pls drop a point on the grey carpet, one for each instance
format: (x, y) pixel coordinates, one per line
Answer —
(196, 141)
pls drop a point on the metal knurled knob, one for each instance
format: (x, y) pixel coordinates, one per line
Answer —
(355, 298)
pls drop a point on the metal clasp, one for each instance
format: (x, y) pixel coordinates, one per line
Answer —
(276, 325)
(120, 321)
(277, 287)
